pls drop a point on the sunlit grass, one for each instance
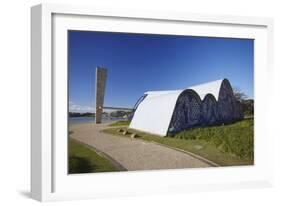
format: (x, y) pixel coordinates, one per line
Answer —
(120, 123)
(236, 139)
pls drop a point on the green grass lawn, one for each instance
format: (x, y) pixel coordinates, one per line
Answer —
(83, 159)
(120, 123)
(225, 145)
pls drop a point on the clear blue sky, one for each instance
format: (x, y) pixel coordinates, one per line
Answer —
(137, 63)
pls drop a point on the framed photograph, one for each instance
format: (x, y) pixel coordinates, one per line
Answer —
(137, 102)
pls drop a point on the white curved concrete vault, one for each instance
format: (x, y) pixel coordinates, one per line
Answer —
(162, 112)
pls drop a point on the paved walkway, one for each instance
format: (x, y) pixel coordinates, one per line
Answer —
(133, 154)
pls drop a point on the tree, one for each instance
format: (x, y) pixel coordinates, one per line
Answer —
(248, 107)
(239, 95)
(247, 104)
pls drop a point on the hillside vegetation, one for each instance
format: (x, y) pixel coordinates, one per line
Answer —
(235, 139)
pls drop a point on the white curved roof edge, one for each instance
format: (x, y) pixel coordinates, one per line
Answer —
(202, 90)
(154, 113)
(212, 88)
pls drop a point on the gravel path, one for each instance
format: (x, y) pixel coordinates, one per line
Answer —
(133, 154)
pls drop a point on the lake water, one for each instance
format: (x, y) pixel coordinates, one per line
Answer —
(79, 120)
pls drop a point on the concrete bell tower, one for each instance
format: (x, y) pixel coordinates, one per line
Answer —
(101, 75)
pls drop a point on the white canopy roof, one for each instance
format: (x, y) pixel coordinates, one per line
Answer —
(154, 113)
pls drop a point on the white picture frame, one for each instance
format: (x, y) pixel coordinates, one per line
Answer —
(49, 178)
